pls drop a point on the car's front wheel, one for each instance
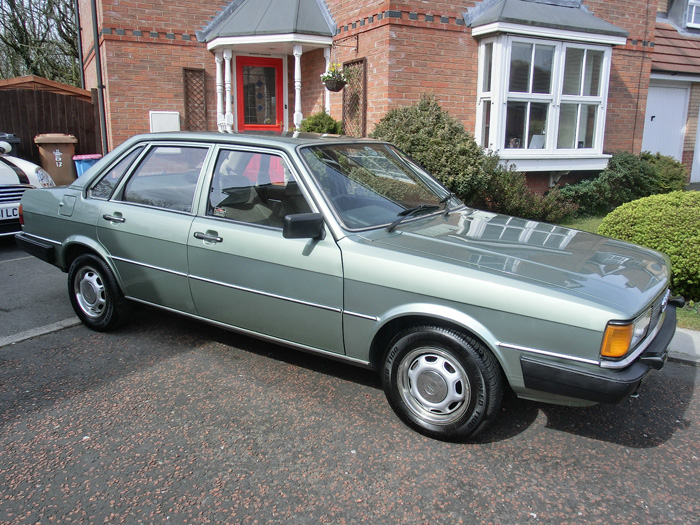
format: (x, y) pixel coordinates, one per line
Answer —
(442, 383)
(95, 294)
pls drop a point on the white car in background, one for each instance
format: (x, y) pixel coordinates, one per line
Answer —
(16, 176)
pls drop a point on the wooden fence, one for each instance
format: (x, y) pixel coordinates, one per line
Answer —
(28, 113)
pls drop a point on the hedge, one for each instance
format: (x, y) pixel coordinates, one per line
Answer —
(669, 223)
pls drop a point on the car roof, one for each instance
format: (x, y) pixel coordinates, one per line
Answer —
(287, 140)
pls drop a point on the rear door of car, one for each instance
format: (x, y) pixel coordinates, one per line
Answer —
(245, 274)
(146, 223)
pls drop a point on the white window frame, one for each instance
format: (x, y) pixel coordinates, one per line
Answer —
(693, 6)
(549, 158)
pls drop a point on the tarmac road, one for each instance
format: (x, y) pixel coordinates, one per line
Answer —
(172, 420)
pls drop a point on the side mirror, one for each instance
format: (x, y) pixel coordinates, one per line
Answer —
(5, 147)
(303, 226)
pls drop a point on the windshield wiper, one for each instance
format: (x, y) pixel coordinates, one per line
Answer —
(405, 214)
(446, 201)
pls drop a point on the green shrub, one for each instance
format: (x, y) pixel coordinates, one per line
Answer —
(671, 174)
(507, 192)
(439, 143)
(626, 178)
(321, 122)
(669, 223)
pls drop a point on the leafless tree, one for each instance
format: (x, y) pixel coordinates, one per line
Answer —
(39, 37)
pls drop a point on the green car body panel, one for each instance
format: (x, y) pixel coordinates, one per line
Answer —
(533, 295)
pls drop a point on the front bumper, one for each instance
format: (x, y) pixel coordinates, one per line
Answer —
(604, 385)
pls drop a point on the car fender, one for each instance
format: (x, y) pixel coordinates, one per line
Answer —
(76, 245)
(446, 315)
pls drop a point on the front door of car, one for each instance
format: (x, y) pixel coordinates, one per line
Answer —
(245, 274)
(146, 224)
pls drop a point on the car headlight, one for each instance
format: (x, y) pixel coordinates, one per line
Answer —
(620, 338)
(44, 178)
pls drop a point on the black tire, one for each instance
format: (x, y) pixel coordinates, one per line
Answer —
(443, 384)
(95, 294)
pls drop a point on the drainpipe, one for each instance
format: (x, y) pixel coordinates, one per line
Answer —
(100, 84)
(76, 7)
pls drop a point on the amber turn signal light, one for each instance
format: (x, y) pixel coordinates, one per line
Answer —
(617, 340)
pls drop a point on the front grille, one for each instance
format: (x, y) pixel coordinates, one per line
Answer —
(12, 193)
(657, 309)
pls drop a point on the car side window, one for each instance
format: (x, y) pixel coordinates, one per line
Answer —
(105, 186)
(256, 188)
(166, 178)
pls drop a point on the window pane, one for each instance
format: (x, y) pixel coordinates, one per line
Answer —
(566, 138)
(515, 124)
(594, 65)
(572, 71)
(693, 14)
(485, 124)
(260, 100)
(538, 124)
(167, 178)
(488, 66)
(520, 60)
(542, 74)
(255, 188)
(104, 188)
(586, 129)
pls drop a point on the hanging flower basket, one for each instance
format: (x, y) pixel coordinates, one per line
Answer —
(334, 84)
(334, 79)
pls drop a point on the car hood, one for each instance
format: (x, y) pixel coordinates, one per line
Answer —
(597, 268)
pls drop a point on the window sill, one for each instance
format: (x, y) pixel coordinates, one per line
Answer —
(531, 163)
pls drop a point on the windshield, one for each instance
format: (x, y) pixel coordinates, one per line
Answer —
(372, 185)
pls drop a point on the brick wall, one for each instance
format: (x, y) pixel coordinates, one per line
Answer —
(411, 47)
(144, 48)
(691, 127)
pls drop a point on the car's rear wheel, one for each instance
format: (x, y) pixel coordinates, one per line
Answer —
(95, 294)
(442, 383)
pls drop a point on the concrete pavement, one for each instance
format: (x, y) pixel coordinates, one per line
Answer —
(685, 347)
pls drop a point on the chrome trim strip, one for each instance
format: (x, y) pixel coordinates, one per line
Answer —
(57, 243)
(361, 316)
(258, 335)
(549, 354)
(235, 287)
(268, 294)
(150, 266)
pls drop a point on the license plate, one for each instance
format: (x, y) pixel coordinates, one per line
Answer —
(9, 213)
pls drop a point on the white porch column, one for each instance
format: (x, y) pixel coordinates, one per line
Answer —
(220, 122)
(228, 53)
(298, 117)
(327, 94)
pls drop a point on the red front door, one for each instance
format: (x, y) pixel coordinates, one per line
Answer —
(260, 96)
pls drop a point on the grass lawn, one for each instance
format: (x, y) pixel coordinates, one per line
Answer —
(688, 317)
(587, 224)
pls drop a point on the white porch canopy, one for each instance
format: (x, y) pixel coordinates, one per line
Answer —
(265, 28)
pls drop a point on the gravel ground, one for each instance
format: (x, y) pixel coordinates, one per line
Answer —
(171, 420)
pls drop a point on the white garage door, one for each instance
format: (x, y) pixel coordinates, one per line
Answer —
(664, 128)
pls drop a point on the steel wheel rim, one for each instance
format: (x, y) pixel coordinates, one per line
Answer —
(90, 292)
(434, 385)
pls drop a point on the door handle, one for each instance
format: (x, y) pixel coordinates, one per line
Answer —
(112, 218)
(207, 237)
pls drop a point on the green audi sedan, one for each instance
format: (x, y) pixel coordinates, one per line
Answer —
(348, 249)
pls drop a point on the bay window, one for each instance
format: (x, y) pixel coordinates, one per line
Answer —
(541, 99)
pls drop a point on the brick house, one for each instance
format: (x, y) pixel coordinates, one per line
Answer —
(554, 86)
(673, 104)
